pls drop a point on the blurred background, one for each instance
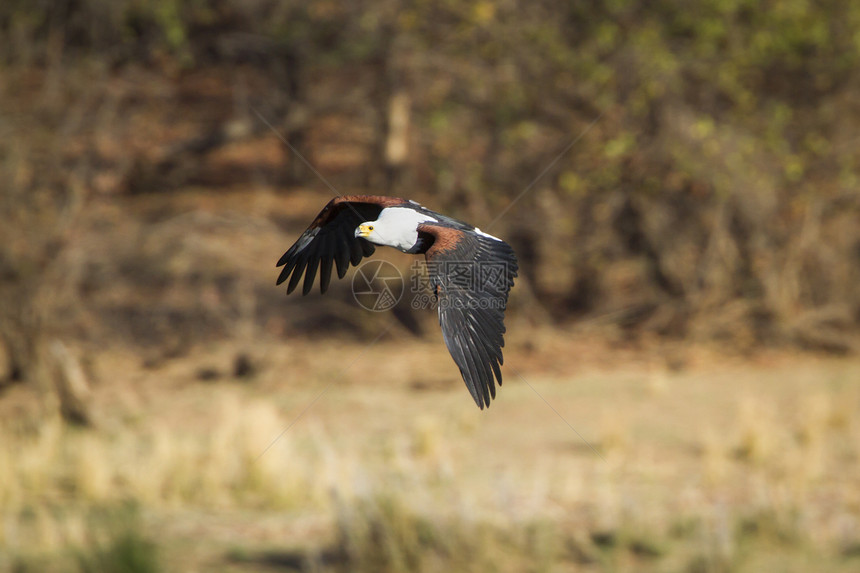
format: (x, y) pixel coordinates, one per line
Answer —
(679, 180)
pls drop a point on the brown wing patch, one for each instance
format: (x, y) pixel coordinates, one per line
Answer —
(339, 203)
(446, 239)
(377, 199)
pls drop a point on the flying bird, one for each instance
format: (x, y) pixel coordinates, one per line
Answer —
(470, 272)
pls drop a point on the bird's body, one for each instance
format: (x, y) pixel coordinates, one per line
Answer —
(471, 272)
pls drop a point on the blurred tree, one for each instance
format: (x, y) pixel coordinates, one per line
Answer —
(722, 173)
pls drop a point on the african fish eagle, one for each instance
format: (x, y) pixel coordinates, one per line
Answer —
(471, 313)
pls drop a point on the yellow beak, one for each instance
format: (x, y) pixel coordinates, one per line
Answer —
(363, 230)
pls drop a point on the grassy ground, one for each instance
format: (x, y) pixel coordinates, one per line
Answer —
(724, 465)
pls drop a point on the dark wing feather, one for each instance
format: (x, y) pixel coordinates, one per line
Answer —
(472, 305)
(355, 253)
(341, 256)
(325, 263)
(331, 239)
(311, 269)
(297, 272)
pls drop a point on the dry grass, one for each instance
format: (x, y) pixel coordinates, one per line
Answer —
(157, 463)
(704, 475)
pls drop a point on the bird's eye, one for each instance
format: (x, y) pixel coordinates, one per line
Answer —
(370, 227)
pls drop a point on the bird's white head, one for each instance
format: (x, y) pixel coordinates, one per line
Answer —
(365, 231)
(374, 232)
(381, 233)
(395, 227)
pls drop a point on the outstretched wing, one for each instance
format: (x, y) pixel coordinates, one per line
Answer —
(471, 274)
(331, 238)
